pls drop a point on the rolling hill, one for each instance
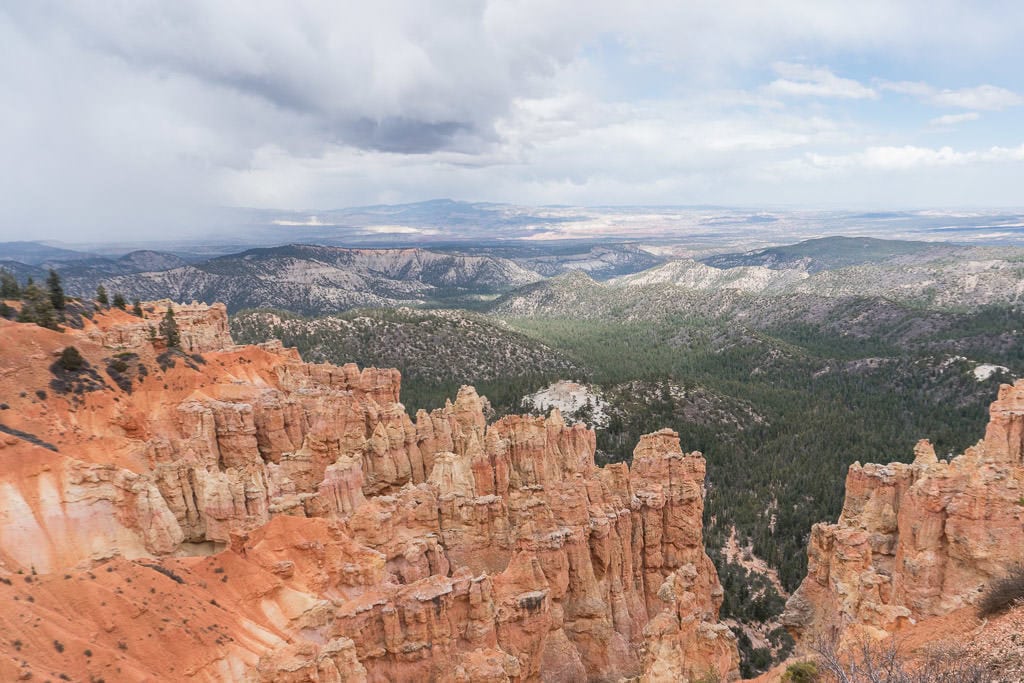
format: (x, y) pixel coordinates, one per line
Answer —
(829, 253)
(436, 351)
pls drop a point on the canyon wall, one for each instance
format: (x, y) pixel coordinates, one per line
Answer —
(917, 540)
(313, 530)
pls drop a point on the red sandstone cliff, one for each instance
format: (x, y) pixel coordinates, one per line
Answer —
(917, 541)
(290, 522)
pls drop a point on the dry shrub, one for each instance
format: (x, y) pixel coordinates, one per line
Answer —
(1003, 593)
(883, 662)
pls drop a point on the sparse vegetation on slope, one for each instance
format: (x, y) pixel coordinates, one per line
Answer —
(308, 279)
(873, 662)
(436, 351)
(829, 253)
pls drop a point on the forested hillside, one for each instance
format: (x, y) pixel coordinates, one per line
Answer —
(825, 400)
(781, 412)
(436, 351)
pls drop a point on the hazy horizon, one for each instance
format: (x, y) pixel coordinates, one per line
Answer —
(144, 121)
(443, 223)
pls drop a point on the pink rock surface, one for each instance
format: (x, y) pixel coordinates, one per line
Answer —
(335, 538)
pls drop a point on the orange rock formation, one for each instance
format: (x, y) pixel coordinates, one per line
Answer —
(918, 540)
(232, 513)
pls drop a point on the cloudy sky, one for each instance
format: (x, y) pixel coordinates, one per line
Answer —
(141, 117)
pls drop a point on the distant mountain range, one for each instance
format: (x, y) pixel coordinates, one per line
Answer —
(317, 279)
(922, 274)
(306, 278)
(539, 278)
(35, 253)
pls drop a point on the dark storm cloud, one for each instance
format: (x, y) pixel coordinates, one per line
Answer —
(404, 136)
(345, 121)
(393, 88)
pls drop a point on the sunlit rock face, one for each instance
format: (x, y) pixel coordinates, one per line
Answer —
(305, 528)
(917, 540)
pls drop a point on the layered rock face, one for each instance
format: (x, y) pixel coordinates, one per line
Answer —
(917, 540)
(344, 540)
(202, 327)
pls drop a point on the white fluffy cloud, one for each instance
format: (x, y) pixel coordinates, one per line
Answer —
(908, 157)
(984, 97)
(987, 97)
(801, 80)
(954, 119)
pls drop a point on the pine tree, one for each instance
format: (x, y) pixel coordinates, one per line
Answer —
(137, 309)
(169, 329)
(56, 290)
(101, 296)
(119, 302)
(27, 313)
(71, 359)
(36, 307)
(9, 288)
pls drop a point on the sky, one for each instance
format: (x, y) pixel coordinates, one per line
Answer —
(142, 118)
